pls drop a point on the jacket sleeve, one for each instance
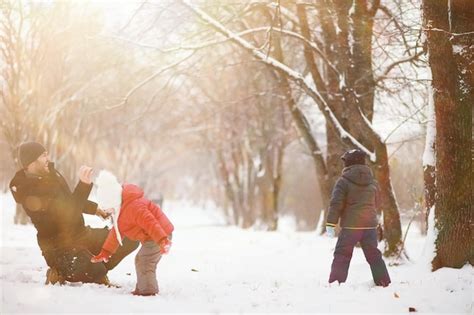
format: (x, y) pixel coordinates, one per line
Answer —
(29, 201)
(111, 243)
(80, 195)
(89, 207)
(16, 192)
(337, 203)
(147, 221)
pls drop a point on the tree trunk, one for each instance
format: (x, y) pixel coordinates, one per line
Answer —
(335, 149)
(388, 204)
(429, 167)
(451, 60)
(234, 209)
(277, 182)
(429, 178)
(360, 73)
(270, 215)
(270, 185)
(304, 129)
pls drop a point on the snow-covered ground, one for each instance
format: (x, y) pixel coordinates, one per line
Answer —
(217, 269)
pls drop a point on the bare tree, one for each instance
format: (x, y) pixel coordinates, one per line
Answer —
(247, 136)
(50, 80)
(347, 101)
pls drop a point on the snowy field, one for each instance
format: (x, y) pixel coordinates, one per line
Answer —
(217, 269)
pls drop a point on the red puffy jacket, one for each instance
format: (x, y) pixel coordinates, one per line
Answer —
(139, 219)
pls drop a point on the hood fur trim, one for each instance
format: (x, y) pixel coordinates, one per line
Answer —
(109, 195)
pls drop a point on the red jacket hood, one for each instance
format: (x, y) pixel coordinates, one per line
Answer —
(131, 192)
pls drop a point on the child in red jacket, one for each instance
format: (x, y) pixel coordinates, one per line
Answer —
(138, 219)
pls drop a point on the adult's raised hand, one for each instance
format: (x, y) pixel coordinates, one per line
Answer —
(85, 174)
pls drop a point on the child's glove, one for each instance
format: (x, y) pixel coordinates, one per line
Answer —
(330, 231)
(165, 245)
(103, 256)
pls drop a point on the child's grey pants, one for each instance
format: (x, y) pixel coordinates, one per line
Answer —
(145, 264)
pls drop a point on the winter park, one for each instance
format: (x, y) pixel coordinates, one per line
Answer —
(217, 156)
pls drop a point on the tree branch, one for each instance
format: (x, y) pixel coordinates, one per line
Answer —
(267, 29)
(148, 79)
(294, 76)
(396, 63)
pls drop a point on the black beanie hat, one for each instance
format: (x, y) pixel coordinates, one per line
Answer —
(354, 157)
(28, 152)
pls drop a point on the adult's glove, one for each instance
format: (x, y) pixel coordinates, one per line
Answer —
(104, 213)
(165, 246)
(330, 231)
(103, 256)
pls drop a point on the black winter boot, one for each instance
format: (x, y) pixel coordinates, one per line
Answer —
(53, 277)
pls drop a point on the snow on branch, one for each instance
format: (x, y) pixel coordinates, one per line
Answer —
(191, 47)
(344, 134)
(434, 29)
(292, 74)
(313, 45)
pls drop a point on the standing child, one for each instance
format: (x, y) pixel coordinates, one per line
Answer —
(138, 219)
(354, 200)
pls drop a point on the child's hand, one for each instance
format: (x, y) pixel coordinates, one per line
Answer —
(330, 231)
(165, 246)
(103, 256)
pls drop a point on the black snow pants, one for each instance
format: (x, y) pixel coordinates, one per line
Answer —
(73, 262)
(348, 238)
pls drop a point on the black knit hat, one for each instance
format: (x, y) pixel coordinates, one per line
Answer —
(28, 152)
(353, 157)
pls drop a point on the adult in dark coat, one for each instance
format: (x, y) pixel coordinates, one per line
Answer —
(56, 212)
(354, 201)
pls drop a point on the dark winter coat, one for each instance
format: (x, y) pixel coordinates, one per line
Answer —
(354, 199)
(55, 211)
(139, 219)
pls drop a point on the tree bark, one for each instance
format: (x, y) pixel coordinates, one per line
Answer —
(429, 167)
(277, 183)
(451, 60)
(391, 217)
(429, 178)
